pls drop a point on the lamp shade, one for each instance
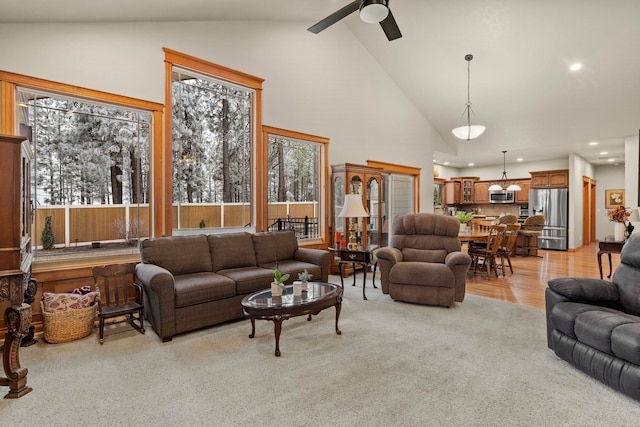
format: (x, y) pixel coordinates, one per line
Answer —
(634, 217)
(373, 11)
(495, 187)
(514, 187)
(468, 131)
(353, 207)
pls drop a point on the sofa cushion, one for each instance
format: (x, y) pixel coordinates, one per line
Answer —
(424, 255)
(231, 250)
(564, 314)
(595, 327)
(197, 288)
(422, 274)
(178, 254)
(625, 342)
(249, 279)
(274, 245)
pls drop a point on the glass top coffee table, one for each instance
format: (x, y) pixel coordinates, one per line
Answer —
(262, 305)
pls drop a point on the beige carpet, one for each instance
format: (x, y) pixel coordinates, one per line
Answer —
(482, 363)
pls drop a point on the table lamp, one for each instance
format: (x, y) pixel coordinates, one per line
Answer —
(352, 209)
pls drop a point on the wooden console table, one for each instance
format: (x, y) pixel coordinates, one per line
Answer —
(608, 247)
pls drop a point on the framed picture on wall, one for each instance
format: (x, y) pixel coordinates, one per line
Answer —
(613, 198)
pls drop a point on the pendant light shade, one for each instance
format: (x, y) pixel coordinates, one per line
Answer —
(468, 131)
(504, 183)
(373, 11)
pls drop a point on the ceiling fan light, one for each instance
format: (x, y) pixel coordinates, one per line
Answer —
(373, 11)
(514, 187)
(468, 132)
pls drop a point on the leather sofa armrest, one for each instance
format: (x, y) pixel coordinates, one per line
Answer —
(585, 289)
(159, 299)
(459, 263)
(387, 258)
(318, 257)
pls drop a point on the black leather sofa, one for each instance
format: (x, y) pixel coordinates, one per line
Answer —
(595, 325)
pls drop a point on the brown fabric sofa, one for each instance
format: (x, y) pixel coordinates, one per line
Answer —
(424, 264)
(195, 281)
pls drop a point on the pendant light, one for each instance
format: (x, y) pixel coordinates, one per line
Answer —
(468, 131)
(504, 183)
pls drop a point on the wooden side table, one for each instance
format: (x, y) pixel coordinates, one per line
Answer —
(362, 257)
(608, 247)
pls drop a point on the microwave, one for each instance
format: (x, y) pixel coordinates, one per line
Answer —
(502, 196)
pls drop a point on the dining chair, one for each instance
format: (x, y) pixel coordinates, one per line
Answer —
(112, 283)
(508, 219)
(485, 257)
(508, 246)
(481, 225)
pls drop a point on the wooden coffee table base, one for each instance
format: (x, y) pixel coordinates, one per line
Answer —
(277, 313)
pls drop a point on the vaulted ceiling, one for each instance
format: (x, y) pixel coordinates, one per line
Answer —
(522, 89)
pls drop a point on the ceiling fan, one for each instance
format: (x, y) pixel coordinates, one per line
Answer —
(371, 11)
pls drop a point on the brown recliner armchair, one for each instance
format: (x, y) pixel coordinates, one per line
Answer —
(423, 263)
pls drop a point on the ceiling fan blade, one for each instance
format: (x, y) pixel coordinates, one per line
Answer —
(335, 17)
(390, 27)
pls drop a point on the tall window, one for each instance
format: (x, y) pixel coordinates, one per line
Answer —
(211, 152)
(90, 173)
(295, 183)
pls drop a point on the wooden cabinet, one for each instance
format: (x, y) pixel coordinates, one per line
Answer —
(522, 196)
(460, 190)
(550, 179)
(15, 256)
(452, 192)
(481, 192)
(367, 181)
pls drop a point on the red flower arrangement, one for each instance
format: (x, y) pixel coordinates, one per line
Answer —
(620, 214)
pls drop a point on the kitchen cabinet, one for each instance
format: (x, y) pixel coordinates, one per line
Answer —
(522, 196)
(461, 191)
(481, 192)
(452, 192)
(550, 179)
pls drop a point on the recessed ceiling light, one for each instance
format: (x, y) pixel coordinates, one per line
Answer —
(611, 159)
(593, 143)
(575, 66)
(434, 160)
(470, 164)
(604, 153)
(519, 159)
(446, 163)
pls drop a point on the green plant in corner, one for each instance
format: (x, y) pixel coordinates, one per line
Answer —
(279, 278)
(464, 217)
(48, 238)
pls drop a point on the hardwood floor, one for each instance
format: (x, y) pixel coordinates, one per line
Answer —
(528, 282)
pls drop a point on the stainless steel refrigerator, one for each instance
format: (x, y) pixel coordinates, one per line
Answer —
(553, 203)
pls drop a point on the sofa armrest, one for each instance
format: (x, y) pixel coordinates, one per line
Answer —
(159, 299)
(585, 289)
(318, 257)
(459, 263)
(387, 258)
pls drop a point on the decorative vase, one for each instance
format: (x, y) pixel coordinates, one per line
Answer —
(297, 288)
(276, 290)
(463, 227)
(305, 286)
(619, 230)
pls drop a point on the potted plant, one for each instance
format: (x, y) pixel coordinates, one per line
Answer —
(464, 217)
(304, 278)
(277, 286)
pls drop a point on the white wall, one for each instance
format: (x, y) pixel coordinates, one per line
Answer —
(609, 177)
(578, 167)
(328, 86)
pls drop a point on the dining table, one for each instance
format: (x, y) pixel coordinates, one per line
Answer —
(473, 236)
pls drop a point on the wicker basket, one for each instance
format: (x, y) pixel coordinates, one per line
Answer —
(65, 326)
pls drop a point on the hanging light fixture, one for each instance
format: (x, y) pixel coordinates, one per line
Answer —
(468, 131)
(374, 11)
(504, 183)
